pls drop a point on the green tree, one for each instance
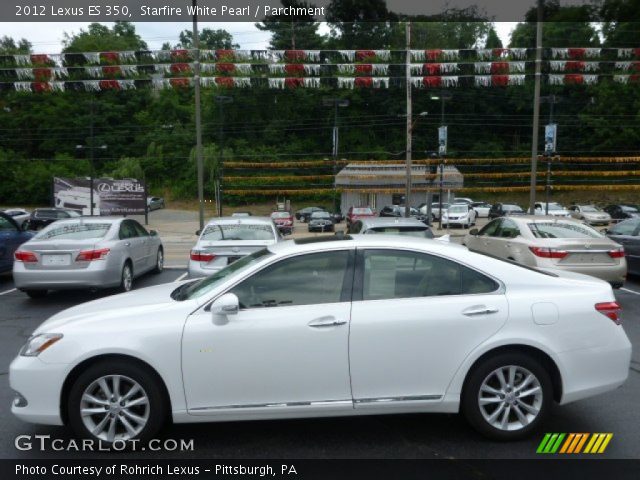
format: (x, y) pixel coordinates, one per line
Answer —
(493, 40)
(209, 39)
(373, 29)
(8, 46)
(100, 38)
(292, 32)
(621, 23)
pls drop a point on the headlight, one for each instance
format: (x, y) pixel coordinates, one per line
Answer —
(39, 343)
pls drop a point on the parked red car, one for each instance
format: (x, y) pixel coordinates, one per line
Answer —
(356, 213)
(283, 221)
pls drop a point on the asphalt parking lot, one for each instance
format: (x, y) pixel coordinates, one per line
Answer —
(393, 436)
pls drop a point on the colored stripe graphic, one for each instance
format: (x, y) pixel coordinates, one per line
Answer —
(573, 443)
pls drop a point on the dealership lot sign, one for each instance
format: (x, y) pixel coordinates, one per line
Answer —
(110, 197)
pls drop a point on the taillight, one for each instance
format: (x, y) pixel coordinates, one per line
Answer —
(200, 256)
(610, 310)
(546, 252)
(90, 255)
(24, 256)
(616, 252)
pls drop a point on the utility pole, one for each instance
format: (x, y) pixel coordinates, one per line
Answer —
(551, 100)
(221, 100)
(196, 78)
(91, 160)
(407, 195)
(536, 110)
(335, 102)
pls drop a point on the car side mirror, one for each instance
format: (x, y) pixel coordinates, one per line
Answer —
(198, 232)
(474, 231)
(605, 230)
(153, 233)
(227, 304)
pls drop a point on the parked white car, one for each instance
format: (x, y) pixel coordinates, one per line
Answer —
(344, 326)
(555, 209)
(19, 215)
(482, 209)
(79, 199)
(459, 215)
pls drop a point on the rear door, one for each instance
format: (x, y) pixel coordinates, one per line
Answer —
(10, 239)
(149, 251)
(414, 319)
(627, 234)
(134, 245)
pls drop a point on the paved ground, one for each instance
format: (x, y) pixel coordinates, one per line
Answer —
(398, 436)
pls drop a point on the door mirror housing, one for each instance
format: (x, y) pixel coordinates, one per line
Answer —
(153, 233)
(198, 232)
(227, 304)
(474, 231)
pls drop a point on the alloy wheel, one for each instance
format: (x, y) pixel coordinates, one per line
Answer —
(114, 407)
(510, 398)
(127, 278)
(160, 261)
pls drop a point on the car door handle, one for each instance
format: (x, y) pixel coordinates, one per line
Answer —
(479, 310)
(326, 322)
(127, 244)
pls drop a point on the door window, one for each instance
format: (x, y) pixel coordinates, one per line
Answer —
(491, 229)
(625, 228)
(6, 225)
(390, 274)
(508, 229)
(302, 280)
(127, 230)
(140, 230)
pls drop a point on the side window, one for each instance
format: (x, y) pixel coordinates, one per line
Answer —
(127, 230)
(303, 280)
(6, 225)
(624, 228)
(491, 229)
(508, 229)
(357, 227)
(475, 283)
(140, 230)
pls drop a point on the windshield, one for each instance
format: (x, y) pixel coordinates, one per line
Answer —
(280, 215)
(316, 215)
(553, 206)
(418, 232)
(74, 231)
(589, 209)
(201, 287)
(627, 208)
(73, 213)
(511, 208)
(362, 211)
(459, 209)
(243, 231)
(562, 230)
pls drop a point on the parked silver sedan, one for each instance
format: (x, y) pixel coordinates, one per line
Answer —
(227, 239)
(590, 214)
(87, 252)
(19, 215)
(554, 243)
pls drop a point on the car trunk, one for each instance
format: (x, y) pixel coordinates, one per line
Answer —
(583, 252)
(59, 254)
(228, 252)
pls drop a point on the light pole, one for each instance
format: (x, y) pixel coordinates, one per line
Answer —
(551, 100)
(91, 149)
(442, 152)
(198, 115)
(334, 103)
(408, 171)
(221, 100)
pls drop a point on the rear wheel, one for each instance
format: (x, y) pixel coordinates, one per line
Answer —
(116, 401)
(126, 279)
(159, 261)
(36, 293)
(506, 397)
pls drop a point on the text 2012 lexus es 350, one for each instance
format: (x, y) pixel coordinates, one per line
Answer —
(344, 326)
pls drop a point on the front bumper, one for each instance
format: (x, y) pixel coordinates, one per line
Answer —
(592, 371)
(98, 274)
(40, 385)
(321, 228)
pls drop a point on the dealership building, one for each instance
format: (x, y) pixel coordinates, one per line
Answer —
(376, 185)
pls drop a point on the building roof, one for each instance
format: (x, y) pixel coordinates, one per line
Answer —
(369, 176)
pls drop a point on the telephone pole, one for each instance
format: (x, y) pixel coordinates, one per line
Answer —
(196, 78)
(536, 110)
(407, 195)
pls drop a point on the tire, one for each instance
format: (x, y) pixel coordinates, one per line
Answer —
(159, 261)
(126, 279)
(537, 403)
(146, 418)
(36, 293)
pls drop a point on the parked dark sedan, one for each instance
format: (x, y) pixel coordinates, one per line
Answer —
(397, 211)
(321, 222)
(41, 217)
(304, 214)
(627, 234)
(11, 237)
(622, 212)
(505, 209)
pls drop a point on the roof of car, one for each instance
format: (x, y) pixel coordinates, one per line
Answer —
(89, 219)
(540, 218)
(391, 222)
(240, 220)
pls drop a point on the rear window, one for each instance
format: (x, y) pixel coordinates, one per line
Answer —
(418, 232)
(74, 231)
(280, 215)
(562, 230)
(627, 208)
(238, 232)
(512, 208)
(362, 211)
(316, 215)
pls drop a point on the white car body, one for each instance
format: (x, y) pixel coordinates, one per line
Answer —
(19, 215)
(481, 209)
(555, 209)
(78, 198)
(375, 356)
(460, 215)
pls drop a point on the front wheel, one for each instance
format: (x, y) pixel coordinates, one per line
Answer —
(116, 401)
(159, 261)
(506, 397)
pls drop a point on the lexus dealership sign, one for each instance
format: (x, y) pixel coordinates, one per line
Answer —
(110, 197)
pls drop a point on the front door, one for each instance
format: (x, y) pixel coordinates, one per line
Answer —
(287, 348)
(415, 318)
(135, 246)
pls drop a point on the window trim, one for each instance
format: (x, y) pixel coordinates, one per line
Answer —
(346, 295)
(358, 283)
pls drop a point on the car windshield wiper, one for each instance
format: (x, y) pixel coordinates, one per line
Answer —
(180, 293)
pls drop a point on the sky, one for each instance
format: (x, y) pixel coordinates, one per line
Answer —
(47, 37)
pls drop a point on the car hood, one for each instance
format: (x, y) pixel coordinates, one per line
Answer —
(138, 303)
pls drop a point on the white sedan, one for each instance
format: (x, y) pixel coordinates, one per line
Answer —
(459, 214)
(342, 326)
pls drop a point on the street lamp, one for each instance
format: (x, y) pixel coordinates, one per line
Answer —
(221, 100)
(91, 149)
(549, 152)
(334, 103)
(442, 149)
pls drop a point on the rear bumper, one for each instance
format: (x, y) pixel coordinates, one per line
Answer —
(195, 270)
(326, 228)
(614, 274)
(98, 274)
(593, 371)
